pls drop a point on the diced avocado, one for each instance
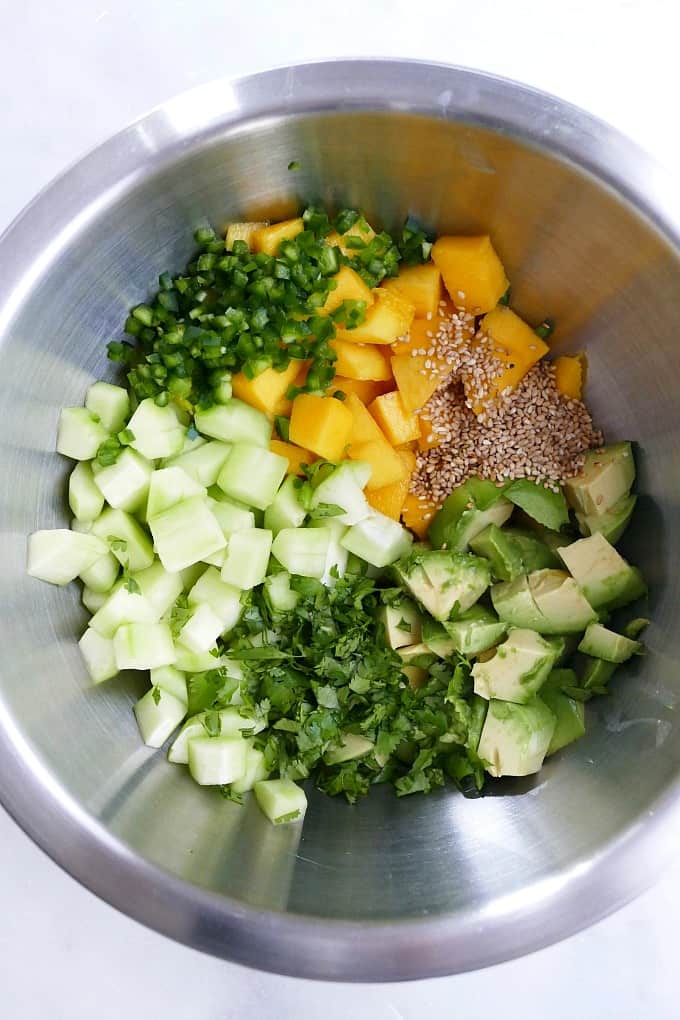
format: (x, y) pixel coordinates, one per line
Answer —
(545, 505)
(515, 604)
(602, 643)
(444, 582)
(635, 627)
(535, 553)
(607, 476)
(515, 738)
(499, 549)
(560, 602)
(467, 511)
(570, 716)
(605, 578)
(478, 709)
(612, 523)
(559, 679)
(351, 746)
(517, 670)
(436, 638)
(596, 674)
(475, 630)
(416, 659)
(402, 623)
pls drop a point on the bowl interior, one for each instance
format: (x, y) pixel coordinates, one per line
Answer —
(575, 250)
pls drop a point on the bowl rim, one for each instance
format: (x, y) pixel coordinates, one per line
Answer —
(306, 946)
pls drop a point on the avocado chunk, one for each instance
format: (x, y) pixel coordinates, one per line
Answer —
(515, 738)
(475, 630)
(601, 643)
(543, 504)
(519, 668)
(351, 746)
(596, 674)
(402, 623)
(498, 548)
(467, 511)
(416, 659)
(607, 476)
(535, 553)
(436, 638)
(612, 523)
(570, 716)
(444, 582)
(605, 578)
(560, 601)
(478, 710)
(515, 604)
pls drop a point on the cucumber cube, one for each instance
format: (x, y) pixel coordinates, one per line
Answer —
(158, 713)
(286, 510)
(231, 516)
(204, 463)
(336, 555)
(234, 422)
(279, 594)
(232, 724)
(93, 600)
(161, 588)
(143, 646)
(83, 527)
(169, 486)
(122, 607)
(99, 656)
(186, 533)
(252, 474)
(58, 556)
(172, 680)
(281, 800)
(341, 488)
(247, 558)
(102, 575)
(214, 761)
(256, 770)
(193, 662)
(223, 599)
(190, 575)
(129, 542)
(84, 496)
(110, 403)
(80, 433)
(202, 629)
(157, 430)
(378, 539)
(302, 551)
(125, 484)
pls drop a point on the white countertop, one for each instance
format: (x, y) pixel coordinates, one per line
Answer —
(78, 71)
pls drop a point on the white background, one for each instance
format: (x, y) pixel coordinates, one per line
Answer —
(72, 73)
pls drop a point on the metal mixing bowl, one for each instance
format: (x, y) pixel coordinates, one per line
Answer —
(588, 230)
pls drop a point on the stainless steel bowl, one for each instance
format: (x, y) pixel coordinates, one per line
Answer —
(588, 229)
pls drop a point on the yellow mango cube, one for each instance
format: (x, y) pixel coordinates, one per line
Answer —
(397, 423)
(242, 232)
(350, 287)
(391, 498)
(361, 361)
(365, 389)
(569, 373)
(386, 464)
(365, 429)
(472, 271)
(417, 513)
(388, 318)
(268, 239)
(360, 229)
(428, 437)
(513, 334)
(268, 389)
(417, 378)
(320, 424)
(421, 285)
(295, 455)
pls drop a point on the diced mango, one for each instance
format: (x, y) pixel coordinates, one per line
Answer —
(472, 271)
(391, 498)
(398, 424)
(268, 389)
(389, 317)
(350, 287)
(361, 361)
(421, 285)
(241, 232)
(268, 239)
(361, 229)
(428, 437)
(320, 424)
(417, 378)
(417, 514)
(295, 455)
(569, 372)
(386, 464)
(364, 426)
(365, 389)
(513, 334)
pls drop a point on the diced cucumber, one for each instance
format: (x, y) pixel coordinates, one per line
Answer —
(122, 607)
(190, 575)
(234, 422)
(190, 443)
(351, 746)
(157, 430)
(186, 533)
(169, 486)
(129, 542)
(281, 800)
(279, 594)
(80, 433)
(172, 680)
(58, 556)
(224, 599)
(202, 629)
(336, 555)
(216, 559)
(102, 575)
(215, 761)
(161, 588)
(82, 527)
(362, 472)
(256, 770)
(143, 646)
(302, 551)
(158, 713)
(110, 403)
(231, 516)
(378, 539)
(342, 488)
(194, 662)
(84, 497)
(99, 656)
(231, 724)
(125, 484)
(252, 474)
(93, 600)
(203, 463)
(286, 511)
(247, 558)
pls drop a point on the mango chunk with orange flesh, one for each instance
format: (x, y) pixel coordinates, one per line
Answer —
(268, 389)
(241, 232)
(386, 465)
(389, 317)
(428, 437)
(320, 424)
(365, 389)
(569, 375)
(268, 239)
(421, 285)
(472, 272)
(417, 379)
(391, 498)
(295, 455)
(365, 429)
(350, 287)
(513, 334)
(361, 361)
(397, 423)
(417, 514)
(361, 230)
